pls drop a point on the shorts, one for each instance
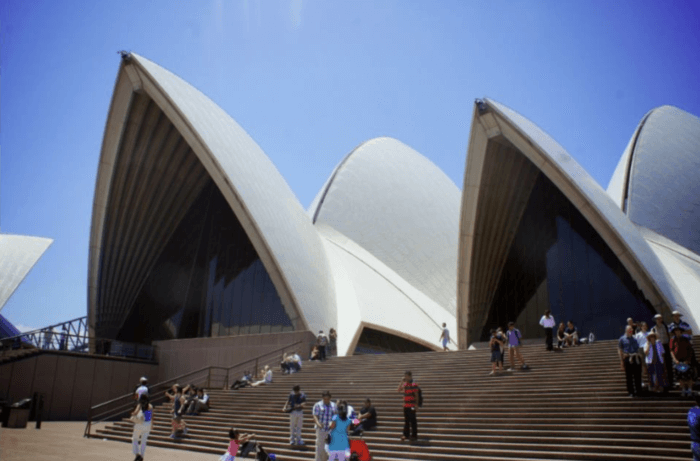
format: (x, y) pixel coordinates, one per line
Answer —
(444, 342)
(510, 346)
(496, 356)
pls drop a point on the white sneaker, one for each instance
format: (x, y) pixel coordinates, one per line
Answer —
(492, 373)
(509, 369)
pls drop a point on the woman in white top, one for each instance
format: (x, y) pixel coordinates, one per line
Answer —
(142, 416)
(267, 379)
(547, 321)
(641, 337)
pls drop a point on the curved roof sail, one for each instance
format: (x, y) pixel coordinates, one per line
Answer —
(18, 254)
(491, 207)
(163, 140)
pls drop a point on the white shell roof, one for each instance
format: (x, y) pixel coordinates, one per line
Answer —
(18, 254)
(275, 221)
(663, 179)
(632, 246)
(402, 209)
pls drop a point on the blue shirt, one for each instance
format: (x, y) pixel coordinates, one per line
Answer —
(339, 435)
(628, 345)
(694, 424)
(296, 400)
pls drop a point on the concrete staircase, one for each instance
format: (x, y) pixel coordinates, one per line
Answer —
(571, 405)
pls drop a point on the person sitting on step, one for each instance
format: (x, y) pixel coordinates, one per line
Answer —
(267, 377)
(561, 338)
(570, 334)
(367, 417)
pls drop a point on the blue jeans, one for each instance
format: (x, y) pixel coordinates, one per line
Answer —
(695, 448)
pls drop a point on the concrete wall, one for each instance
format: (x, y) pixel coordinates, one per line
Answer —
(72, 383)
(180, 356)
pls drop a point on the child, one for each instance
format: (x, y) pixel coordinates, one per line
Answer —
(179, 426)
(496, 352)
(237, 439)
(502, 338)
(445, 337)
(513, 335)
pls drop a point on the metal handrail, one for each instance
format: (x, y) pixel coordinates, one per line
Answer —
(126, 402)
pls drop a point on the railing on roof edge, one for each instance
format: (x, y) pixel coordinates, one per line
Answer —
(206, 377)
(81, 343)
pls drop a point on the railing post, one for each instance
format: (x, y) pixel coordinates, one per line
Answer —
(256, 369)
(209, 377)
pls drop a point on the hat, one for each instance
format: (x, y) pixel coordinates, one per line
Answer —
(630, 319)
(651, 333)
(143, 379)
(658, 316)
(677, 313)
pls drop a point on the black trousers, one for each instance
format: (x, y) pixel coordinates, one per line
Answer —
(322, 350)
(633, 376)
(363, 426)
(410, 422)
(668, 360)
(549, 341)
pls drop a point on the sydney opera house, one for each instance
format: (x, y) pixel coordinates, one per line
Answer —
(195, 233)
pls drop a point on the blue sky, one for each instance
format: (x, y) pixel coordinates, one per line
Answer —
(309, 81)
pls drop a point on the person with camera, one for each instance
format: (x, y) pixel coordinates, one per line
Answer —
(295, 407)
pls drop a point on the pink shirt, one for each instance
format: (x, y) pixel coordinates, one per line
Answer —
(233, 447)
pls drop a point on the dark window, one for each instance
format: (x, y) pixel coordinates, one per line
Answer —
(377, 342)
(558, 261)
(209, 281)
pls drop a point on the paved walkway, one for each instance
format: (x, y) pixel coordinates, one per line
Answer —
(59, 441)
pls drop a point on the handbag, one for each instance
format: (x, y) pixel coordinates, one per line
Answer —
(139, 418)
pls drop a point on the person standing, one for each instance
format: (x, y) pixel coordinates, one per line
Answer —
(143, 420)
(410, 391)
(514, 336)
(683, 325)
(547, 322)
(663, 336)
(339, 446)
(694, 426)
(141, 389)
(323, 413)
(682, 355)
(445, 337)
(321, 343)
(295, 408)
(628, 350)
(654, 358)
(333, 343)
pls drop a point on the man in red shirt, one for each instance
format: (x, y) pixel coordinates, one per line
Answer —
(410, 406)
